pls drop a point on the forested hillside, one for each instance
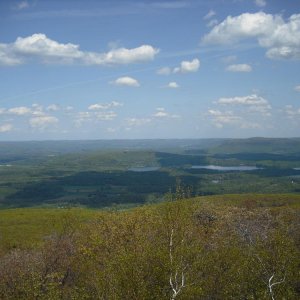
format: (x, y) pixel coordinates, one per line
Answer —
(132, 172)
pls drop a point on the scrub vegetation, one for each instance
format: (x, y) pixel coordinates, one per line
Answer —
(216, 247)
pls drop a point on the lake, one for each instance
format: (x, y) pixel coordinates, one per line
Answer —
(222, 168)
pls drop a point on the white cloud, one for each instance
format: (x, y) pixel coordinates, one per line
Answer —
(37, 110)
(245, 100)
(264, 110)
(209, 15)
(164, 71)
(297, 88)
(243, 26)
(20, 110)
(261, 3)
(127, 56)
(246, 112)
(38, 46)
(42, 122)
(255, 104)
(188, 66)
(53, 107)
(103, 106)
(239, 68)
(6, 128)
(225, 118)
(281, 38)
(220, 118)
(97, 112)
(173, 85)
(127, 81)
(7, 58)
(162, 114)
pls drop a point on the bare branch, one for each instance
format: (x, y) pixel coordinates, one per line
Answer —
(176, 285)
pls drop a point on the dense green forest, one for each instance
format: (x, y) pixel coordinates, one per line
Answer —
(216, 247)
(126, 173)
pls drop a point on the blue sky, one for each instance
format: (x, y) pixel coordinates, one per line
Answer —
(149, 69)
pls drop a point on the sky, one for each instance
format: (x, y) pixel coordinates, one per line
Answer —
(149, 69)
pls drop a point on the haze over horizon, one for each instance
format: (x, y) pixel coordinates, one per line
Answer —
(128, 69)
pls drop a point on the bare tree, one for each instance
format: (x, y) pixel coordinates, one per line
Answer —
(177, 282)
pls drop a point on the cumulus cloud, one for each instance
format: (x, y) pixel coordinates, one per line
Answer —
(127, 81)
(281, 38)
(239, 68)
(38, 46)
(42, 122)
(245, 112)
(164, 71)
(173, 85)
(7, 58)
(225, 118)
(161, 113)
(188, 66)
(245, 100)
(20, 110)
(261, 3)
(6, 127)
(220, 118)
(104, 106)
(97, 112)
(53, 107)
(254, 103)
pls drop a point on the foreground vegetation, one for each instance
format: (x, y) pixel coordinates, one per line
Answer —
(219, 247)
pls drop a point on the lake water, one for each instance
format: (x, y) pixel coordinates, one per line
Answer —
(222, 168)
(143, 169)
